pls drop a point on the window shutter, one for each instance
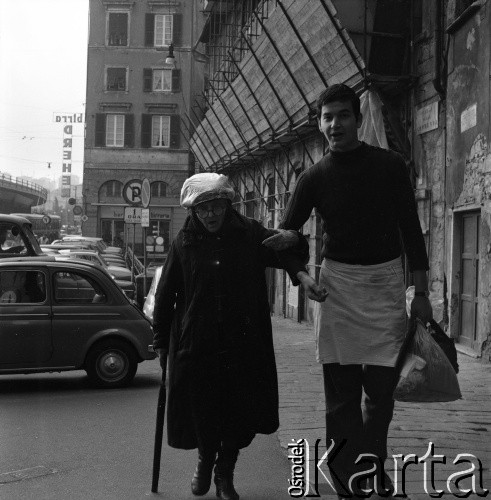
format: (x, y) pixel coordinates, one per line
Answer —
(176, 80)
(149, 29)
(129, 135)
(146, 131)
(177, 30)
(100, 130)
(175, 132)
(147, 80)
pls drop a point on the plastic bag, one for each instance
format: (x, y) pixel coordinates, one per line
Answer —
(446, 343)
(433, 379)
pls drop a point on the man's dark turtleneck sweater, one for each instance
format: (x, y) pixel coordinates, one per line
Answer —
(365, 198)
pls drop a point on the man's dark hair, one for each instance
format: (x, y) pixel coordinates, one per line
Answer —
(338, 93)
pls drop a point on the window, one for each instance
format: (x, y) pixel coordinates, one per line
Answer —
(158, 189)
(116, 79)
(161, 80)
(250, 204)
(26, 287)
(115, 130)
(271, 193)
(160, 131)
(163, 30)
(112, 189)
(117, 30)
(74, 288)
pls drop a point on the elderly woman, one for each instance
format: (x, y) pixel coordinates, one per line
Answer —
(212, 319)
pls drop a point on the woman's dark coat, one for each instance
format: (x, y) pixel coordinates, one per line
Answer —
(212, 296)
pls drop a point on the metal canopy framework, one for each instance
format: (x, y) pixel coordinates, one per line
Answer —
(269, 59)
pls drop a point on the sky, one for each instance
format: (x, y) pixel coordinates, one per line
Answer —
(43, 66)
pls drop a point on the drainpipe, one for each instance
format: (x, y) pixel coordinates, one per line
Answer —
(437, 55)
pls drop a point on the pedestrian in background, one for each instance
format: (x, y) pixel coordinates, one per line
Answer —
(212, 320)
(365, 199)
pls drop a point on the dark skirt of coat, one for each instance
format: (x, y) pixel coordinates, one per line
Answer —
(212, 314)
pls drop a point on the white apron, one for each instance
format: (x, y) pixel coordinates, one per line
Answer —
(362, 320)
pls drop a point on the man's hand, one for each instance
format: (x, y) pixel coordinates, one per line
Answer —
(312, 289)
(282, 240)
(162, 353)
(421, 308)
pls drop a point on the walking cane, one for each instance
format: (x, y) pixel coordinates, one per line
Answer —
(159, 429)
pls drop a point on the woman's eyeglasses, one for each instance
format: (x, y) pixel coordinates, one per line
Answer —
(203, 212)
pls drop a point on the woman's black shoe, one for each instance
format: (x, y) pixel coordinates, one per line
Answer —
(224, 474)
(200, 484)
(225, 486)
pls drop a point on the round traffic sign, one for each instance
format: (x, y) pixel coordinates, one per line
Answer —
(132, 191)
(72, 201)
(149, 240)
(145, 194)
(77, 210)
(159, 240)
(46, 219)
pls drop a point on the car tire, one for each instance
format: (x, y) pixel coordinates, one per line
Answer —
(111, 363)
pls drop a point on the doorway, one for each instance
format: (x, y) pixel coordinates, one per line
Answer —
(469, 278)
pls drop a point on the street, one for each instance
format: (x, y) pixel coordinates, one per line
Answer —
(60, 439)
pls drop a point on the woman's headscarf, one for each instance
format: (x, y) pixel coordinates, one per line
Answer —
(205, 187)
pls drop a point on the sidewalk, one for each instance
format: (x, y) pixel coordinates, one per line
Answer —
(454, 428)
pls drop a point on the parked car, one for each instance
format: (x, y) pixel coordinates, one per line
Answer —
(69, 315)
(16, 237)
(149, 303)
(60, 245)
(116, 272)
(128, 287)
(105, 248)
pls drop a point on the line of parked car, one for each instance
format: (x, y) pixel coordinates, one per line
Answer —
(68, 306)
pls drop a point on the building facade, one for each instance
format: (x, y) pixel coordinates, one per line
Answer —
(421, 68)
(136, 98)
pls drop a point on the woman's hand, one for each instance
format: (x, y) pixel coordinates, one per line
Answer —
(312, 289)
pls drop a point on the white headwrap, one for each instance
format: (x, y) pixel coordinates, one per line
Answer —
(205, 187)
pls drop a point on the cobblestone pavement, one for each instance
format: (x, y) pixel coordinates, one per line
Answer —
(454, 428)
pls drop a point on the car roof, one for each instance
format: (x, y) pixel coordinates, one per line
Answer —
(17, 219)
(50, 261)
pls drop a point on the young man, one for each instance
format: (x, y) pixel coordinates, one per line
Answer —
(366, 201)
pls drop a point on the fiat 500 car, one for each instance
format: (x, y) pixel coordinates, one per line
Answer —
(67, 315)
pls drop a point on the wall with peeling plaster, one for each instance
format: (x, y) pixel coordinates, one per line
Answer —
(468, 162)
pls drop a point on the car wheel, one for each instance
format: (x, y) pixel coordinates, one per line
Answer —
(111, 363)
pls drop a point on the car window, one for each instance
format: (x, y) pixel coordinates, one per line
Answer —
(11, 241)
(22, 287)
(75, 288)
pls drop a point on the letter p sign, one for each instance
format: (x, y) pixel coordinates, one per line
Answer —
(132, 191)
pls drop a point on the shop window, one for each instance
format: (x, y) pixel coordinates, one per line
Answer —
(116, 79)
(117, 29)
(158, 189)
